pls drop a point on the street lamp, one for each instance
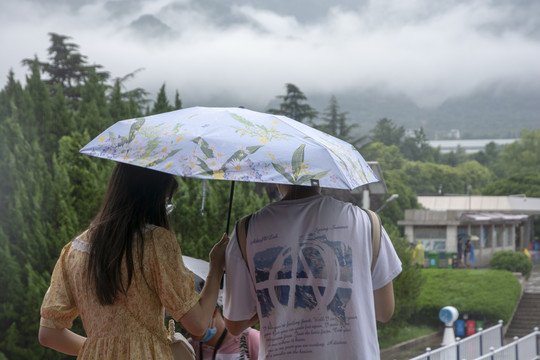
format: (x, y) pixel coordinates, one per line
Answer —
(388, 201)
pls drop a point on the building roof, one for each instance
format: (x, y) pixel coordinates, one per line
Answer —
(511, 203)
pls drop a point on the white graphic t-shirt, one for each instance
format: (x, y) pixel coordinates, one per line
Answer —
(310, 280)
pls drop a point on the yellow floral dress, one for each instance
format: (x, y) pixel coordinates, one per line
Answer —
(133, 328)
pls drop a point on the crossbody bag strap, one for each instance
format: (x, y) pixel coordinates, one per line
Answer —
(242, 226)
(244, 349)
(375, 236)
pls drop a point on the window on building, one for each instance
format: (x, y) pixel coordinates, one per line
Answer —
(433, 237)
(476, 236)
(499, 235)
(508, 235)
(487, 236)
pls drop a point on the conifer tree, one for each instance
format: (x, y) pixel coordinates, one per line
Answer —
(177, 101)
(336, 123)
(67, 67)
(162, 103)
(44, 123)
(294, 105)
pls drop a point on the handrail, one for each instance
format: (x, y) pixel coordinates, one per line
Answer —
(470, 347)
(525, 348)
(481, 346)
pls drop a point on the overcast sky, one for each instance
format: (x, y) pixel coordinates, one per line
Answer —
(242, 52)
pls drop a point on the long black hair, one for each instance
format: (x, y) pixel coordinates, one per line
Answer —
(135, 197)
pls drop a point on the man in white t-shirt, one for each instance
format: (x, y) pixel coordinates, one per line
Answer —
(309, 281)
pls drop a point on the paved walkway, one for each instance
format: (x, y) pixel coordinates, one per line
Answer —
(532, 285)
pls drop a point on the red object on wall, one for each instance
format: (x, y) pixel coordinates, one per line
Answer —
(471, 327)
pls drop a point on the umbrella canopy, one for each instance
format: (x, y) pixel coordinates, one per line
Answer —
(201, 268)
(233, 144)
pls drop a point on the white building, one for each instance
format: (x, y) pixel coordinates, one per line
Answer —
(492, 222)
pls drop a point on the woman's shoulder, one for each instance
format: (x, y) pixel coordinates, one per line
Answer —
(159, 235)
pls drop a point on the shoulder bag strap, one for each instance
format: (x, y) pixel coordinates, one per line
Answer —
(244, 349)
(375, 236)
(242, 226)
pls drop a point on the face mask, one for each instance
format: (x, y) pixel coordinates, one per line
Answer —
(210, 332)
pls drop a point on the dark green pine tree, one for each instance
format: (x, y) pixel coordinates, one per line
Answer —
(417, 148)
(94, 110)
(118, 108)
(177, 101)
(11, 294)
(336, 123)
(386, 132)
(26, 228)
(44, 124)
(16, 103)
(126, 104)
(294, 105)
(67, 67)
(162, 103)
(64, 119)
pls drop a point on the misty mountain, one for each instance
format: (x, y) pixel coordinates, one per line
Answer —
(488, 113)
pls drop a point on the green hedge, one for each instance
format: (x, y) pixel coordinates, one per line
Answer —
(489, 295)
(511, 261)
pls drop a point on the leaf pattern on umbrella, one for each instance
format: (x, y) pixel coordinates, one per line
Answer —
(148, 154)
(263, 134)
(216, 168)
(299, 169)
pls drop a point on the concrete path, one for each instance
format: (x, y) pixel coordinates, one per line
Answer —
(532, 285)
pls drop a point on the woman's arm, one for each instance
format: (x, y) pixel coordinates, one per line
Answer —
(63, 340)
(384, 302)
(196, 320)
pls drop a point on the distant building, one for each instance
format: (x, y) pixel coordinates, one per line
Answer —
(493, 223)
(468, 146)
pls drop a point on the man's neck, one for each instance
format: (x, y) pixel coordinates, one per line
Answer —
(301, 192)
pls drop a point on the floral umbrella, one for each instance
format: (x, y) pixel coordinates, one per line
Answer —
(233, 144)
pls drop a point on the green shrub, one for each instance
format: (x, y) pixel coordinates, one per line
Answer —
(407, 287)
(511, 261)
(489, 295)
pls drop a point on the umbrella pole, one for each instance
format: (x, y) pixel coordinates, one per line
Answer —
(230, 206)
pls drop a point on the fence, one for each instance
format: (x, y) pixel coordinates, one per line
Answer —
(488, 345)
(525, 348)
(469, 348)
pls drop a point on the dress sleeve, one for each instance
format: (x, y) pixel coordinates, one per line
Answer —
(174, 284)
(58, 309)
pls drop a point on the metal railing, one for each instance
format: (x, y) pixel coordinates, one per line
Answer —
(525, 348)
(471, 347)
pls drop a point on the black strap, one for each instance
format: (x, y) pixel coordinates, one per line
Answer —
(219, 342)
(216, 348)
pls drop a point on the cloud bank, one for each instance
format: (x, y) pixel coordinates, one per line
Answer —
(243, 52)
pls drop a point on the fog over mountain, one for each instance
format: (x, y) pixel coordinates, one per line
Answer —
(471, 65)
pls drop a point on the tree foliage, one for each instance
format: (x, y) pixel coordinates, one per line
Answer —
(294, 105)
(49, 192)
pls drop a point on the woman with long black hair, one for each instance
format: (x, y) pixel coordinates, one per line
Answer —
(122, 272)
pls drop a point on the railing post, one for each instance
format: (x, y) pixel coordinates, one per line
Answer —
(502, 337)
(492, 351)
(517, 347)
(537, 340)
(428, 350)
(458, 342)
(481, 336)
